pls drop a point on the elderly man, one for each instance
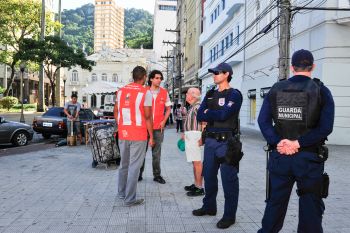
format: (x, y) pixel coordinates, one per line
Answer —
(192, 138)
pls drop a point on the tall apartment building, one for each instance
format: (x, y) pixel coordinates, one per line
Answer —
(109, 25)
(189, 18)
(164, 18)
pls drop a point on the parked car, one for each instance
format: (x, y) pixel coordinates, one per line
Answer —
(105, 110)
(54, 121)
(16, 133)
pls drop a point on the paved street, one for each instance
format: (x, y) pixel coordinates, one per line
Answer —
(56, 190)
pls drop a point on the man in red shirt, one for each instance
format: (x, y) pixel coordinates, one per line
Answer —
(133, 113)
(161, 107)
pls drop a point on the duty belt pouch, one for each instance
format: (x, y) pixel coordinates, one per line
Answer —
(323, 152)
(234, 152)
(325, 185)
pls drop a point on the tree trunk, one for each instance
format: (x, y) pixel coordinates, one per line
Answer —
(12, 77)
(53, 93)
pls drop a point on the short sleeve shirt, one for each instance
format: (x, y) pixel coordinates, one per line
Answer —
(148, 99)
(72, 108)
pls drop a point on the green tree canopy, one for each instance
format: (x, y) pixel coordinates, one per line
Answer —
(56, 54)
(18, 20)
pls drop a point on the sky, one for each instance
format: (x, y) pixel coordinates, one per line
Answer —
(143, 4)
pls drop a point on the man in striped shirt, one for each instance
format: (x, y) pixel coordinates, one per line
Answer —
(192, 138)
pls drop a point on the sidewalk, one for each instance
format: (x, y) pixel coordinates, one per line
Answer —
(57, 191)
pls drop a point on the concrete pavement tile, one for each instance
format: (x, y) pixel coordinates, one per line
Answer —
(155, 228)
(196, 227)
(114, 229)
(175, 228)
(23, 222)
(99, 221)
(76, 229)
(117, 221)
(6, 221)
(15, 229)
(154, 221)
(96, 229)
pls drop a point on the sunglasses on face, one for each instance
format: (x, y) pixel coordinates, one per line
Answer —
(219, 72)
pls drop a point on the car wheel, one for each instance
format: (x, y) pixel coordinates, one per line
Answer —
(46, 135)
(20, 138)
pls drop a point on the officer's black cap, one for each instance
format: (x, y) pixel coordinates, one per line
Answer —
(222, 67)
(302, 58)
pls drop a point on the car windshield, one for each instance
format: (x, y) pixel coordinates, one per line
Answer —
(57, 112)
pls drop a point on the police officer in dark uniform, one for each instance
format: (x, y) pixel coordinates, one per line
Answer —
(220, 109)
(296, 117)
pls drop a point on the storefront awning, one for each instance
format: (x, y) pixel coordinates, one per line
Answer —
(102, 87)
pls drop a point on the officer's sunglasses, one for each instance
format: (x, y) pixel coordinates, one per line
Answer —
(219, 72)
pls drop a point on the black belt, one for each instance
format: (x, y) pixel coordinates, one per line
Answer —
(219, 136)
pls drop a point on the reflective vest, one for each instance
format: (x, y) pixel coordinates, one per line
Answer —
(295, 106)
(216, 101)
(131, 116)
(158, 107)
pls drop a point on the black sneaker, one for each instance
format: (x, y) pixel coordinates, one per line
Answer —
(196, 192)
(191, 187)
(202, 212)
(159, 179)
(225, 223)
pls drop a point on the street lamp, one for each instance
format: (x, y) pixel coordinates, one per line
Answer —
(64, 88)
(22, 67)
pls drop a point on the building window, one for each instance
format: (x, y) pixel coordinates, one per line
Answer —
(167, 8)
(93, 77)
(104, 77)
(222, 47)
(237, 34)
(211, 56)
(218, 9)
(252, 103)
(227, 42)
(223, 4)
(217, 51)
(231, 38)
(214, 53)
(115, 78)
(103, 99)
(93, 101)
(212, 18)
(74, 77)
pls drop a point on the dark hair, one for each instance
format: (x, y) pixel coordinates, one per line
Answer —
(229, 78)
(178, 105)
(302, 69)
(138, 73)
(74, 96)
(152, 75)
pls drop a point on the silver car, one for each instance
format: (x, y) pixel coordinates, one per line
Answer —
(16, 133)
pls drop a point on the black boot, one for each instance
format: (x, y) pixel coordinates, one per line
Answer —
(225, 223)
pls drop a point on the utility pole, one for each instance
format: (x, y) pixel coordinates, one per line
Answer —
(167, 57)
(173, 44)
(284, 51)
(58, 76)
(41, 96)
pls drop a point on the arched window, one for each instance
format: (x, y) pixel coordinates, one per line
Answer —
(115, 78)
(93, 77)
(74, 77)
(104, 77)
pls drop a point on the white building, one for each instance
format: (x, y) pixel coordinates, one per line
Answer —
(112, 69)
(164, 18)
(324, 33)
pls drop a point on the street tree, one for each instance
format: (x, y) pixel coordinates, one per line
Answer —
(19, 20)
(55, 54)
